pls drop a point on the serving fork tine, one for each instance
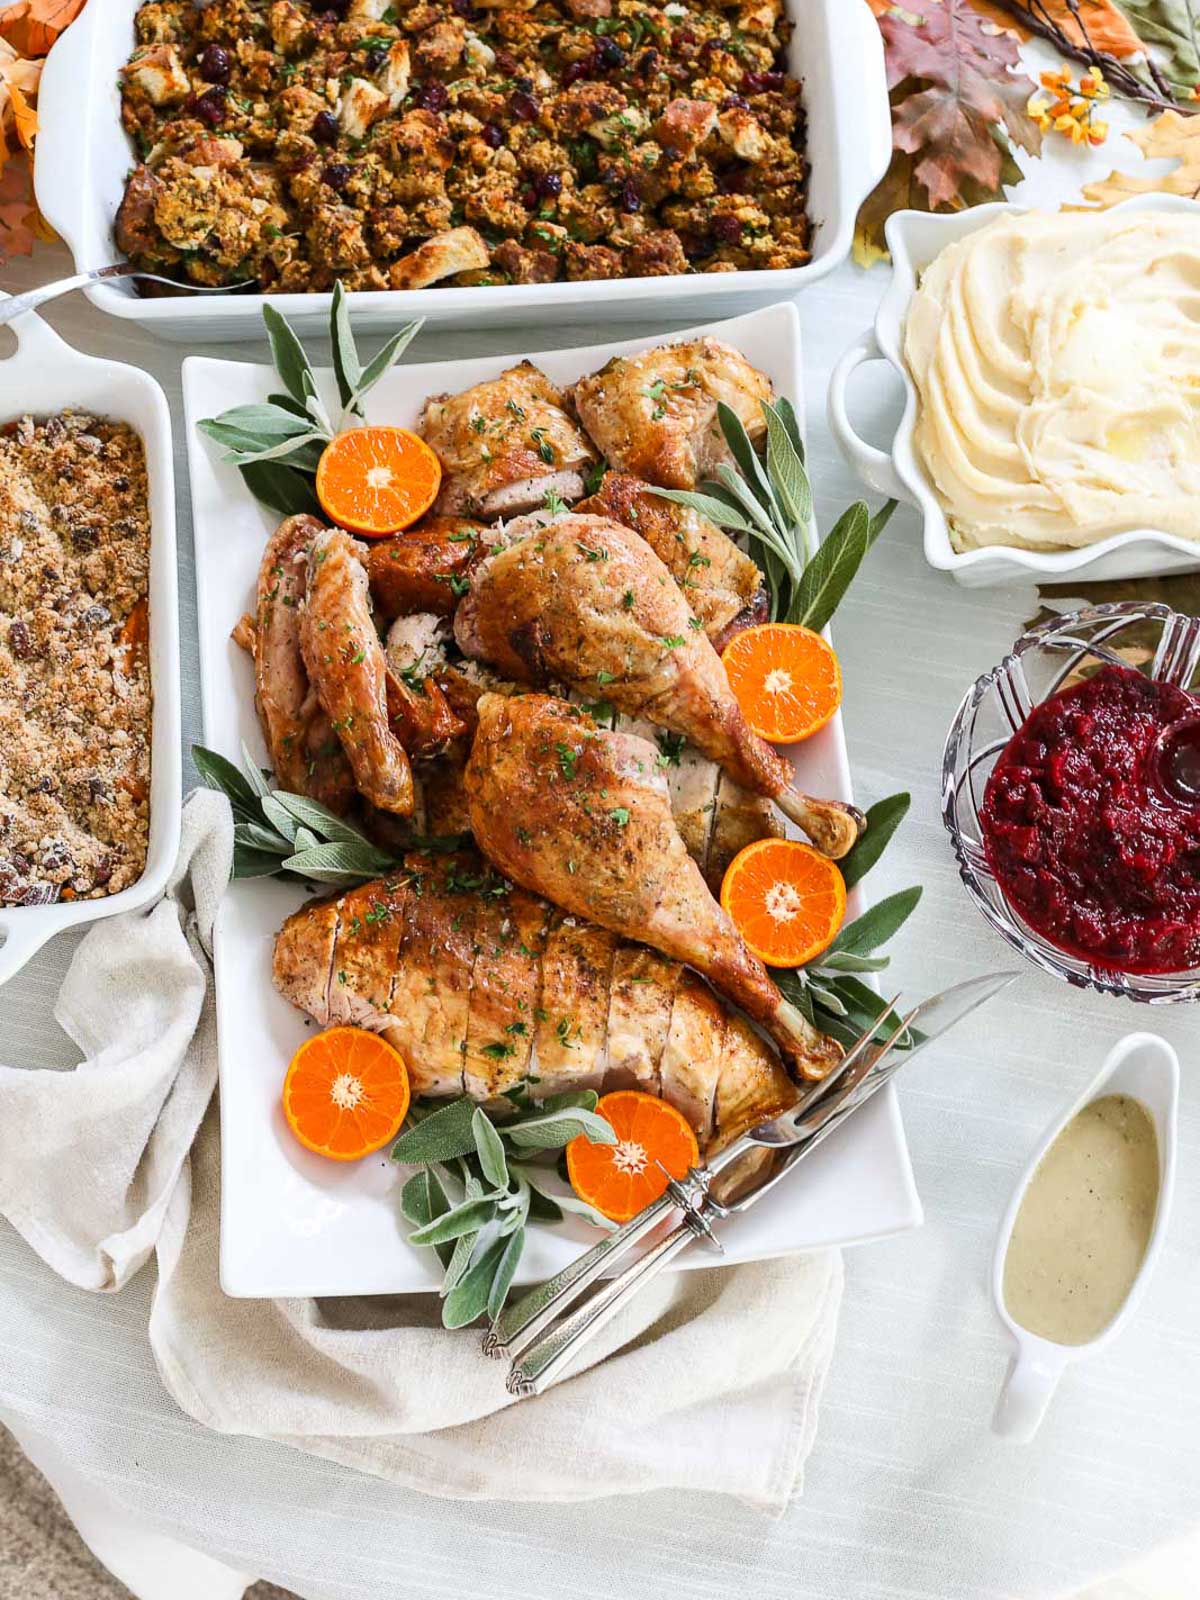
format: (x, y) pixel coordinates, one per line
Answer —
(541, 1351)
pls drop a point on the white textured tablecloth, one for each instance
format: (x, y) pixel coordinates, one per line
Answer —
(908, 1495)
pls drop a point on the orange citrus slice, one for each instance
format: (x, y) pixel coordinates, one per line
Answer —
(377, 480)
(620, 1179)
(786, 899)
(346, 1093)
(786, 679)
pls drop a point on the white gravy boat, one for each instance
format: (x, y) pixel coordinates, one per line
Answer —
(1146, 1068)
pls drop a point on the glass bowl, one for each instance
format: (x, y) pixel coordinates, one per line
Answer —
(1161, 642)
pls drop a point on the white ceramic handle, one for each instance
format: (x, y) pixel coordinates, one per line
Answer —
(873, 466)
(34, 337)
(1027, 1392)
(22, 941)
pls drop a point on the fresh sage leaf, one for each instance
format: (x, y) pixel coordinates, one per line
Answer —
(346, 367)
(490, 1149)
(254, 776)
(282, 488)
(219, 773)
(279, 818)
(382, 364)
(830, 572)
(845, 961)
(826, 998)
(786, 412)
(506, 1269)
(286, 403)
(469, 1299)
(746, 457)
(725, 516)
(550, 1130)
(883, 818)
(786, 471)
(563, 1198)
(441, 1136)
(287, 353)
(324, 822)
(877, 925)
(255, 837)
(880, 521)
(469, 1217)
(251, 863)
(334, 863)
(460, 1260)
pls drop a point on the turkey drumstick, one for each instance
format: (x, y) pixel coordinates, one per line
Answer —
(582, 815)
(587, 603)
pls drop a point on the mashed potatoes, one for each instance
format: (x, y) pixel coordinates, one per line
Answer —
(1057, 358)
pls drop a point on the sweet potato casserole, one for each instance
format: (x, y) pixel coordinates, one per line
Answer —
(75, 695)
(399, 145)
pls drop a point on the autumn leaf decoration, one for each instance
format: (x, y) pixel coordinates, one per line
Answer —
(959, 102)
(28, 29)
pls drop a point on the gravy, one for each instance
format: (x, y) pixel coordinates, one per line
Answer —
(1084, 1223)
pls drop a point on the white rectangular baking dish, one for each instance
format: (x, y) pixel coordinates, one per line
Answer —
(914, 239)
(44, 376)
(292, 1223)
(83, 157)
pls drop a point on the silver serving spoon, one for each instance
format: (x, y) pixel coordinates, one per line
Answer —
(21, 303)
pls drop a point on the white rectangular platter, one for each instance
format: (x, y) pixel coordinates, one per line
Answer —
(293, 1224)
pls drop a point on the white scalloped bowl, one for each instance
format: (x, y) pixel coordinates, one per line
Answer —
(914, 239)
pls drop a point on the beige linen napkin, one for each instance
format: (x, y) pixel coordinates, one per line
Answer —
(712, 1378)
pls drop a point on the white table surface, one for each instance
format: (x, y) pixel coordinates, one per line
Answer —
(908, 1495)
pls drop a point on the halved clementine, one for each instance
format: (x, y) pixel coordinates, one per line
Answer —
(620, 1179)
(346, 1093)
(786, 899)
(786, 679)
(377, 480)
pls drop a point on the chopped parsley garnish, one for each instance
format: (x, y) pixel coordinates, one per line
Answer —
(566, 759)
(670, 748)
(544, 448)
(620, 815)
(499, 1051)
(672, 641)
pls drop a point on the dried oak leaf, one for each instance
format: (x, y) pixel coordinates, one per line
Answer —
(952, 88)
(956, 111)
(1169, 136)
(18, 89)
(32, 26)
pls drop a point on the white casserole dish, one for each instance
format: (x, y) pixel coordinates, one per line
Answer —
(83, 157)
(46, 375)
(914, 239)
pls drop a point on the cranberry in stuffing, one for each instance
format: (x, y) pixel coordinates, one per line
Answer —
(337, 175)
(210, 107)
(631, 200)
(760, 82)
(432, 96)
(523, 106)
(728, 229)
(491, 135)
(610, 53)
(324, 128)
(576, 70)
(548, 185)
(529, 198)
(215, 65)
(735, 102)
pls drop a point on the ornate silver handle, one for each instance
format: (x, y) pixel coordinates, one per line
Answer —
(543, 1362)
(525, 1318)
